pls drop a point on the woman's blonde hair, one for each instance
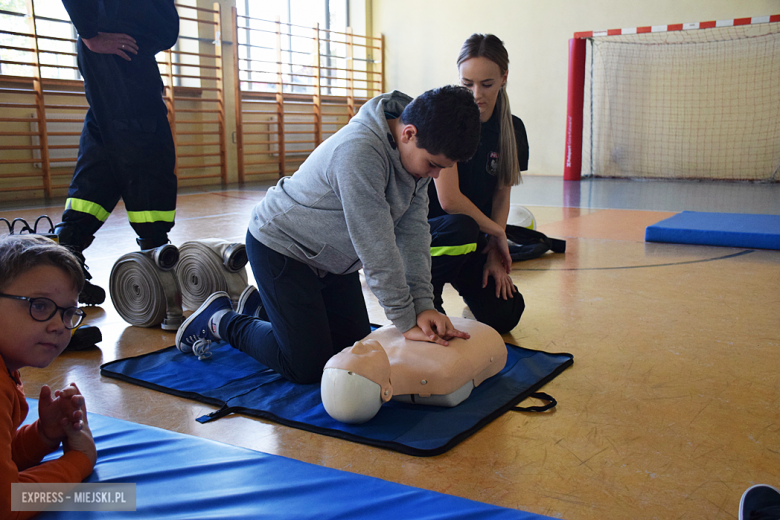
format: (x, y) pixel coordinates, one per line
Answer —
(491, 47)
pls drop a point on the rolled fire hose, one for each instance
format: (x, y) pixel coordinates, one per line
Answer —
(210, 265)
(144, 288)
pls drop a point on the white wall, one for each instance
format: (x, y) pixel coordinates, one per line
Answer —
(423, 37)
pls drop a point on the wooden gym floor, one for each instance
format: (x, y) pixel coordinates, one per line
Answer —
(670, 410)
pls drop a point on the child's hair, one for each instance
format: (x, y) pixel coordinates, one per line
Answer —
(491, 47)
(20, 253)
(447, 122)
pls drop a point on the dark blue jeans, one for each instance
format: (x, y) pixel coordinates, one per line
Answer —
(309, 318)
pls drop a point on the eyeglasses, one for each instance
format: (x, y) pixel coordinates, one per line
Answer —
(43, 309)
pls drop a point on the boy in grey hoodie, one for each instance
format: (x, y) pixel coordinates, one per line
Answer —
(358, 201)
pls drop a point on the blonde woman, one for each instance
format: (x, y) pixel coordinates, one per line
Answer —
(469, 202)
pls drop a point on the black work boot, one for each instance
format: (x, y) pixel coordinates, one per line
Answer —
(152, 242)
(68, 236)
(91, 294)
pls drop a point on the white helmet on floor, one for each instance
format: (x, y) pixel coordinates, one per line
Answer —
(521, 216)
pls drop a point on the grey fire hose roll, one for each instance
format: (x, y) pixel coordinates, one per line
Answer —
(144, 288)
(210, 265)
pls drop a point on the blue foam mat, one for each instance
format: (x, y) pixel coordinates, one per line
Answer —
(180, 476)
(236, 382)
(718, 229)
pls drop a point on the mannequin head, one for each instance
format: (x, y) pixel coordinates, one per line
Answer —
(356, 382)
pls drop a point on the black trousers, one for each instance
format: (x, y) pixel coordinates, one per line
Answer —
(310, 318)
(456, 242)
(126, 151)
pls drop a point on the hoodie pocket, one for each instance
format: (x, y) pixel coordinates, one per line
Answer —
(328, 259)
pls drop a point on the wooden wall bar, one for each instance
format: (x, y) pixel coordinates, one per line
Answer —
(194, 92)
(294, 87)
(37, 111)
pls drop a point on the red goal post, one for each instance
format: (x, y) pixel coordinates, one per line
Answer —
(577, 76)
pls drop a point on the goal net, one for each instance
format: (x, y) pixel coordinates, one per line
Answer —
(684, 104)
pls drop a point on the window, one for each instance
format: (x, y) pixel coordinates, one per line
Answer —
(259, 46)
(55, 33)
(330, 14)
(185, 58)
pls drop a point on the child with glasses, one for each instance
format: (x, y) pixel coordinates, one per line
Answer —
(39, 286)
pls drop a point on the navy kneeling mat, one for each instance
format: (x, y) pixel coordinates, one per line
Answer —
(237, 383)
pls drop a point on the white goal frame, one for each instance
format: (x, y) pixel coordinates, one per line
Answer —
(578, 54)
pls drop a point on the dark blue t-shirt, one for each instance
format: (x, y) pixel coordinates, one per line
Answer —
(478, 177)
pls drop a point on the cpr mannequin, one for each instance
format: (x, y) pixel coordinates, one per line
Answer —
(384, 365)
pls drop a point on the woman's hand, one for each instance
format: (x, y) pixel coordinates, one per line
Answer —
(496, 266)
(498, 245)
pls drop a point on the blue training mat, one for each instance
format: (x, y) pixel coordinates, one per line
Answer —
(718, 229)
(181, 476)
(236, 382)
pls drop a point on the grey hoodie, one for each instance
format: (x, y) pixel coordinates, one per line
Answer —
(352, 204)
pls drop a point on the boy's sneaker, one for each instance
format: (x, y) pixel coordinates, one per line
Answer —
(202, 327)
(760, 502)
(249, 303)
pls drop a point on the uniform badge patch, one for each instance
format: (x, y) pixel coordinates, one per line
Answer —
(492, 163)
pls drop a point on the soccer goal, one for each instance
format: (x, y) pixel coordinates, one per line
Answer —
(686, 101)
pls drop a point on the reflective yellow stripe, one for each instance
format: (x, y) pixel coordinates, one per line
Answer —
(86, 206)
(146, 217)
(454, 250)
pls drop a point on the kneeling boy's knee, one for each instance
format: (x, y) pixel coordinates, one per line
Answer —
(306, 373)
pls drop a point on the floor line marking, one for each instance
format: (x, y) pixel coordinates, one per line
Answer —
(733, 255)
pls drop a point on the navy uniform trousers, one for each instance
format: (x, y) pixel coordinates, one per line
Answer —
(126, 151)
(456, 242)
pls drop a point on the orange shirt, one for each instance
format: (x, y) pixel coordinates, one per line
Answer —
(21, 449)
